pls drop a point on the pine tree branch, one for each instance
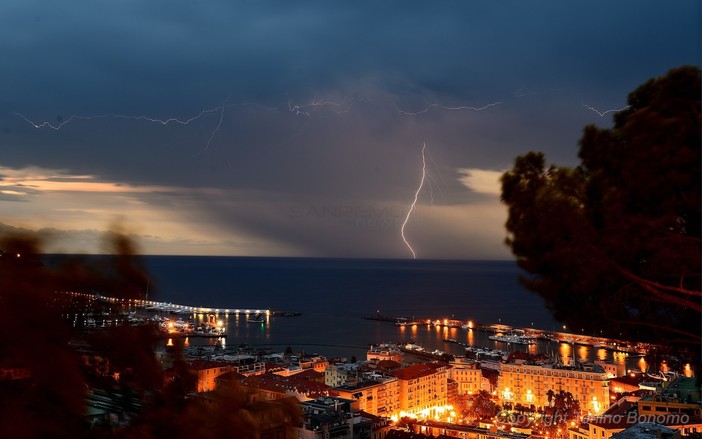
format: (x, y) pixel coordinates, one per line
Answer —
(658, 290)
(691, 338)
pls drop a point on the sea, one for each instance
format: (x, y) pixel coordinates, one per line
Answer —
(333, 296)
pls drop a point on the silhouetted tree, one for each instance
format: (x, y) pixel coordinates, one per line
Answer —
(613, 244)
(43, 385)
(562, 409)
(483, 407)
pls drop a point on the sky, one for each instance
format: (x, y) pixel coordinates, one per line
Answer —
(279, 128)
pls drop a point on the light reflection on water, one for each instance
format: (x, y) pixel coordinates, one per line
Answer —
(584, 353)
(470, 337)
(642, 364)
(565, 352)
(346, 336)
(533, 349)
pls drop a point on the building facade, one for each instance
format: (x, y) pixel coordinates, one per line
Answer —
(423, 387)
(467, 375)
(529, 384)
(206, 373)
(379, 397)
(340, 374)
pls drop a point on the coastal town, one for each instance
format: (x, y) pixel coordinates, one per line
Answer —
(351, 220)
(399, 390)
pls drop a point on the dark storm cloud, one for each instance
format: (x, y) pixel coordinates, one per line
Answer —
(378, 60)
(94, 53)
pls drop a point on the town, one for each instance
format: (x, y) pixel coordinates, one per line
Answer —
(403, 390)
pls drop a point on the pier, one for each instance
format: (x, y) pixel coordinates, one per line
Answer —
(168, 307)
(151, 305)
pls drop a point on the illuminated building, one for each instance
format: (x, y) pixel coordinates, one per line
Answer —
(270, 386)
(379, 396)
(626, 412)
(207, 371)
(467, 375)
(246, 365)
(340, 374)
(602, 426)
(422, 387)
(528, 384)
(298, 365)
(317, 362)
(627, 383)
(385, 366)
(384, 352)
(613, 370)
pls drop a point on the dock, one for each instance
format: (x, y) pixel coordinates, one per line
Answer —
(173, 308)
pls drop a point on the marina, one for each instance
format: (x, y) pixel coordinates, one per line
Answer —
(523, 336)
(269, 328)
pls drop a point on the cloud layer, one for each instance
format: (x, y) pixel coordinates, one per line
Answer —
(272, 128)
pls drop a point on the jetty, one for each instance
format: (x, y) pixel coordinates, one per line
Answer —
(173, 308)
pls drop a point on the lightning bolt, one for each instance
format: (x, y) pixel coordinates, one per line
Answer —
(122, 116)
(443, 107)
(602, 113)
(296, 109)
(414, 203)
(342, 106)
(219, 124)
(170, 121)
(434, 181)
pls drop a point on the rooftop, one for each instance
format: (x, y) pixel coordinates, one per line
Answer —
(644, 430)
(281, 384)
(359, 385)
(616, 416)
(309, 374)
(681, 389)
(207, 364)
(418, 370)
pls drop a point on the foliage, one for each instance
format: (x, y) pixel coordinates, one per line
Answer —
(483, 407)
(562, 406)
(613, 244)
(48, 397)
(562, 409)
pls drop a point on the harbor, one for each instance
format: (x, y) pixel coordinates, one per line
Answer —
(271, 328)
(520, 335)
(172, 320)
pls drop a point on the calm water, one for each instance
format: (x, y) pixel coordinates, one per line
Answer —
(333, 295)
(482, 291)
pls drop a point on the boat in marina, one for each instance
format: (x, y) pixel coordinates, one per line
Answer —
(208, 331)
(259, 317)
(514, 338)
(484, 354)
(408, 323)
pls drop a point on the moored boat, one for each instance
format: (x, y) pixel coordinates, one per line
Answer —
(256, 318)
